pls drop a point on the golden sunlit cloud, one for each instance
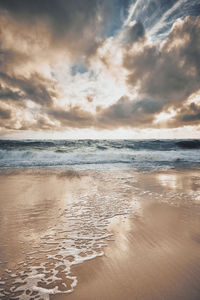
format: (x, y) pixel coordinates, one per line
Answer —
(79, 74)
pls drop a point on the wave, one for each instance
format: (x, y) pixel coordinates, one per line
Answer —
(89, 157)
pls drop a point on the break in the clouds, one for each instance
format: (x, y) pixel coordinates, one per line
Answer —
(97, 64)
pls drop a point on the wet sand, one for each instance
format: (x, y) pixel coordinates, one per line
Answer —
(150, 259)
(56, 225)
(154, 255)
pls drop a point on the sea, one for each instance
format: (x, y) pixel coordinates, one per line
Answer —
(136, 155)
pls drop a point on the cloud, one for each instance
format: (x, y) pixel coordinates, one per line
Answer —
(137, 80)
(72, 117)
(169, 74)
(9, 94)
(76, 25)
(192, 114)
(124, 113)
(34, 37)
(5, 113)
(134, 32)
(127, 113)
(187, 115)
(35, 88)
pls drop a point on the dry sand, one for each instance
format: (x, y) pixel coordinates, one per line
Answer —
(154, 252)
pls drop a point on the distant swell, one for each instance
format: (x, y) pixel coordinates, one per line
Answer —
(195, 144)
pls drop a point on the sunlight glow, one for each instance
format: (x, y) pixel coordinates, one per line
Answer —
(164, 116)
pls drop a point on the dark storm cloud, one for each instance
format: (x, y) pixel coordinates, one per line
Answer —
(8, 94)
(34, 88)
(192, 115)
(170, 74)
(5, 113)
(128, 113)
(73, 117)
(134, 32)
(187, 115)
(73, 24)
(61, 14)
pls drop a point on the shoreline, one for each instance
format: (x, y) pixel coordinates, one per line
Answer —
(147, 225)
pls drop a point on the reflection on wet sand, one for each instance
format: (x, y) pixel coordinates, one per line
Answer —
(54, 220)
(30, 208)
(30, 204)
(160, 259)
(51, 221)
(156, 252)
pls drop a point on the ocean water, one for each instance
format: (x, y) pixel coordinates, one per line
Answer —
(138, 155)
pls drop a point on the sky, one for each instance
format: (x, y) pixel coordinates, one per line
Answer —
(99, 69)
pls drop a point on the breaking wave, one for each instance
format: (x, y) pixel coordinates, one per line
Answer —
(89, 154)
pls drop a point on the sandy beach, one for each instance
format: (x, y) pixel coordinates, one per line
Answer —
(100, 150)
(99, 235)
